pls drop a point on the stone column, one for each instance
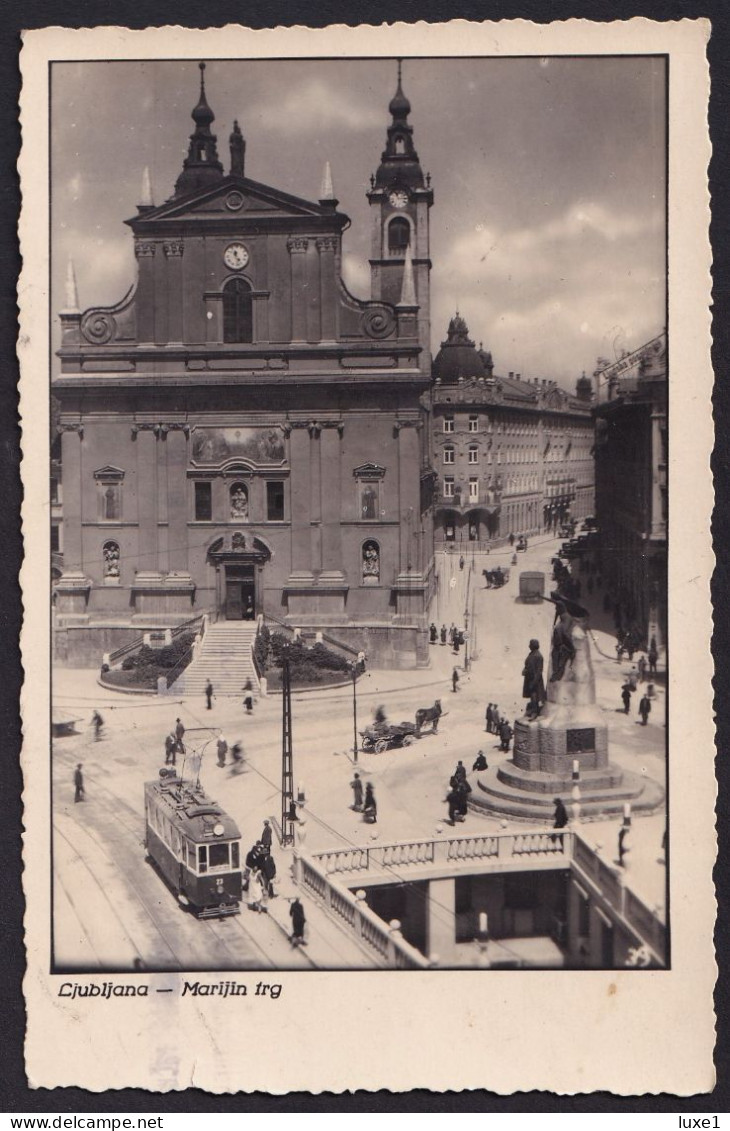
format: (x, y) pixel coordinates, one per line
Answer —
(327, 248)
(146, 442)
(145, 299)
(71, 442)
(314, 325)
(318, 483)
(173, 254)
(298, 256)
(177, 460)
(409, 468)
(331, 457)
(163, 530)
(441, 919)
(301, 536)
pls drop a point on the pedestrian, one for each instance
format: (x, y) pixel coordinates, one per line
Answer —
(433, 633)
(480, 762)
(443, 634)
(298, 920)
(265, 837)
(179, 734)
(268, 873)
(370, 808)
(209, 695)
(633, 678)
(453, 801)
(653, 656)
(356, 786)
(248, 697)
(619, 651)
(511, 538)
(459, 772)
(237, 757)
(455, 679)
(257, 892)
(626, 697)
(457, 641)
(505, 734)
(461, 562)
(97, 723)
(496, 719)
(623, 847)
(463, 790)
(641, 665)
(452, 630)
(489, 718)
(644, 709)
(170, 748)
(221, 749)
(80, 794)
(560, 817)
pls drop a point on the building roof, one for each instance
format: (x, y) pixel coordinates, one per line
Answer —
(458, 356)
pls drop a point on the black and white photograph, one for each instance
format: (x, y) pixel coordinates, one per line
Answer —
(360, 628)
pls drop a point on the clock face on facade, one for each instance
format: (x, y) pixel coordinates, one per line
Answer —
(398, 198)
(236, 256)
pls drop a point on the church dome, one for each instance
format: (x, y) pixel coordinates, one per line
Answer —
(458, 356)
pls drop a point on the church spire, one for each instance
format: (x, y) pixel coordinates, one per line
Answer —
(399, 161)
(201, 167)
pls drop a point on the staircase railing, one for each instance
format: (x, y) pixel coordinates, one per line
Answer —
(309, 635)
(113, 658)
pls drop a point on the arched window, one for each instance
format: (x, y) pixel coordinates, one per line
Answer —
(399, 235)
(400, 145)
(370, 562)
(111, 554)
(238, 494)
(237, 311)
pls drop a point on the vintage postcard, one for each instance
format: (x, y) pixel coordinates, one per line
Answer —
(366, 430)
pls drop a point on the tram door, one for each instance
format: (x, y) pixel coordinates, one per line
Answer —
(240, 601)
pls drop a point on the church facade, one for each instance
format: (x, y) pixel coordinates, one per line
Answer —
(241, 436)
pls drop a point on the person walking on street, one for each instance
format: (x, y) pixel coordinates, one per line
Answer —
(265, 838)
(298, 920)
(209, 695)
(179, 734)
(221, 749)
(455, 679)
(461, 562)
(80, 792)
(489, 718)
(268, 872)
(452, 631)
(170, 748)
(626, 697)
(453, 801)
(653, 656)
(505, 734)
(644, 709)
(457, 641)
(511, 538)
(370, 809)
(248, 697)
(641, 665)
(444, 634)
(356, 786)
(460, 772)
(496, 719)
(97, 723)
(463, 790)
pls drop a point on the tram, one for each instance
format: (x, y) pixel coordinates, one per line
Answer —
(194, 844)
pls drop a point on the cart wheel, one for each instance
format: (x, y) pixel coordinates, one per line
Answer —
(409, 740)
(381, 746)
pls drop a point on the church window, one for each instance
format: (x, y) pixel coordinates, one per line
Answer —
(370, 563)
(111, 561)
(448, 424)
(275, 501)
(238, 495)
(237, 311)
(399, 235)
(449, 453)
(369, 499)
(473, 453)
(203, 502)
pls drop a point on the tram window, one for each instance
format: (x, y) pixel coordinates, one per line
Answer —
(202, 859)
(218, 855)
(235, 863)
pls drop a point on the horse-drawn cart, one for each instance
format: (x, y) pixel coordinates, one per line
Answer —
(384, 736)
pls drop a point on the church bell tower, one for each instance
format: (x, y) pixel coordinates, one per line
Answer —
(400, 198)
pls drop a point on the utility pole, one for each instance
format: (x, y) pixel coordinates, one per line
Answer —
(287, 757)
(354, 710)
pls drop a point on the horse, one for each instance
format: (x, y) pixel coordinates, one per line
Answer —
(429, 715)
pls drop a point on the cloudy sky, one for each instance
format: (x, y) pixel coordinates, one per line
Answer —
(548, 227)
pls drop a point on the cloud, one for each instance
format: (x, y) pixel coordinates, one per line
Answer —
(317, 103)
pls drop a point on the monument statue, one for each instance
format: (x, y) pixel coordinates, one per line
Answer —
(533, 685)
(570, 679)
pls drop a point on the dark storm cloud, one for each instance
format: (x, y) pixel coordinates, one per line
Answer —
(548, 226)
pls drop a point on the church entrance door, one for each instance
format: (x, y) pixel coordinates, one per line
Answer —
(240, 592)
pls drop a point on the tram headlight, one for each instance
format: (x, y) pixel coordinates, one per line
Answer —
(218, 829)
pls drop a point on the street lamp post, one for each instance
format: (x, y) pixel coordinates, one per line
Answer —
(354, 710)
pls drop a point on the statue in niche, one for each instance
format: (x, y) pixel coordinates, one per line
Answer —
(370, 563)
(238, 541)
(111, 559)
(239, 503)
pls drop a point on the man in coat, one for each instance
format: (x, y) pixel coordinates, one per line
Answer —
(505, 735)
(179, 734)
(626, 697)
(209, 695)
(533, 685)
(356, 785)
(80, 794)
(489, 718)
(266, 835)
(298, 920)
(221, 749)
(644, 709)
(170, 748)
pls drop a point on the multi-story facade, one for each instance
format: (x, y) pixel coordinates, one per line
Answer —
(240, 434)
(512, 455)
(631, 486)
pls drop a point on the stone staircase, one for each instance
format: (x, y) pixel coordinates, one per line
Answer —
(225, 658)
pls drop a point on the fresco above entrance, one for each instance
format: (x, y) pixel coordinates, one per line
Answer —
(257, 445)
